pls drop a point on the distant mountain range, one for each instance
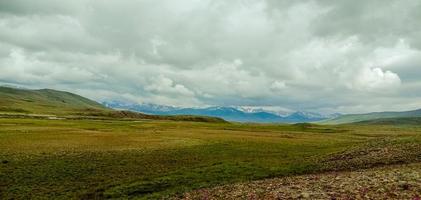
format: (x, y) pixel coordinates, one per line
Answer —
(60, 103)
(236, 114)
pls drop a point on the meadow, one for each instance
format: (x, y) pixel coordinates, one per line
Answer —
(149, 159)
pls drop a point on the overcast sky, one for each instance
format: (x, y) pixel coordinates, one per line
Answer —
(325, 56)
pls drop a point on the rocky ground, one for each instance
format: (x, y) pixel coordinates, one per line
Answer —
(392, 182)
(379, 169)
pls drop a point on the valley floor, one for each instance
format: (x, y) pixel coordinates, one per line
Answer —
(391, 182)
(155, 159)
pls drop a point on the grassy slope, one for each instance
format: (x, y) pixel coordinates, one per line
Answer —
(64, 104)
(102, 159)
(403, 121)
(44, 101)
(371, 116)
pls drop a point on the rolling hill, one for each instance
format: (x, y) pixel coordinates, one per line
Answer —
(412, 121)
(344, 119)
(35, 103)
(45, 101)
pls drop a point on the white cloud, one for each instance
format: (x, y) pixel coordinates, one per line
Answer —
(278, 85)
(164, 85)
(377, 80)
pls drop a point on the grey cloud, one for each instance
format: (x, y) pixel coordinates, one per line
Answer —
(374, 21)
(44, 7)
(328, 56)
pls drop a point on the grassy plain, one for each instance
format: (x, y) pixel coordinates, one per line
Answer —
(146, 159)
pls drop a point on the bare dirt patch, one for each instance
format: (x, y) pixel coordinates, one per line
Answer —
(392, 182)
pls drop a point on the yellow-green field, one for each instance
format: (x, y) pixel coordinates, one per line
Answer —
(87, 159)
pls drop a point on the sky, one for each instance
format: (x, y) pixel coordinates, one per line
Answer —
(323, 56)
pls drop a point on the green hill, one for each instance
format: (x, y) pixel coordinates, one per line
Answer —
(411, 121)
(44, 101)
(36, 103)
(344, 119)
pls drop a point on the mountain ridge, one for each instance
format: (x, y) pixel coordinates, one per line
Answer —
(227, 113)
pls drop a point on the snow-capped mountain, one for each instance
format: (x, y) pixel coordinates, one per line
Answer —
(314, 115)
(279, 112)
(238, 114)
(144, 107)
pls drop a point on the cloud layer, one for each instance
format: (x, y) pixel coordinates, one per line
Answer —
(326, 56)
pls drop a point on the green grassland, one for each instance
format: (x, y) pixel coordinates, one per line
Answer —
(148, 159)
(59, 145)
